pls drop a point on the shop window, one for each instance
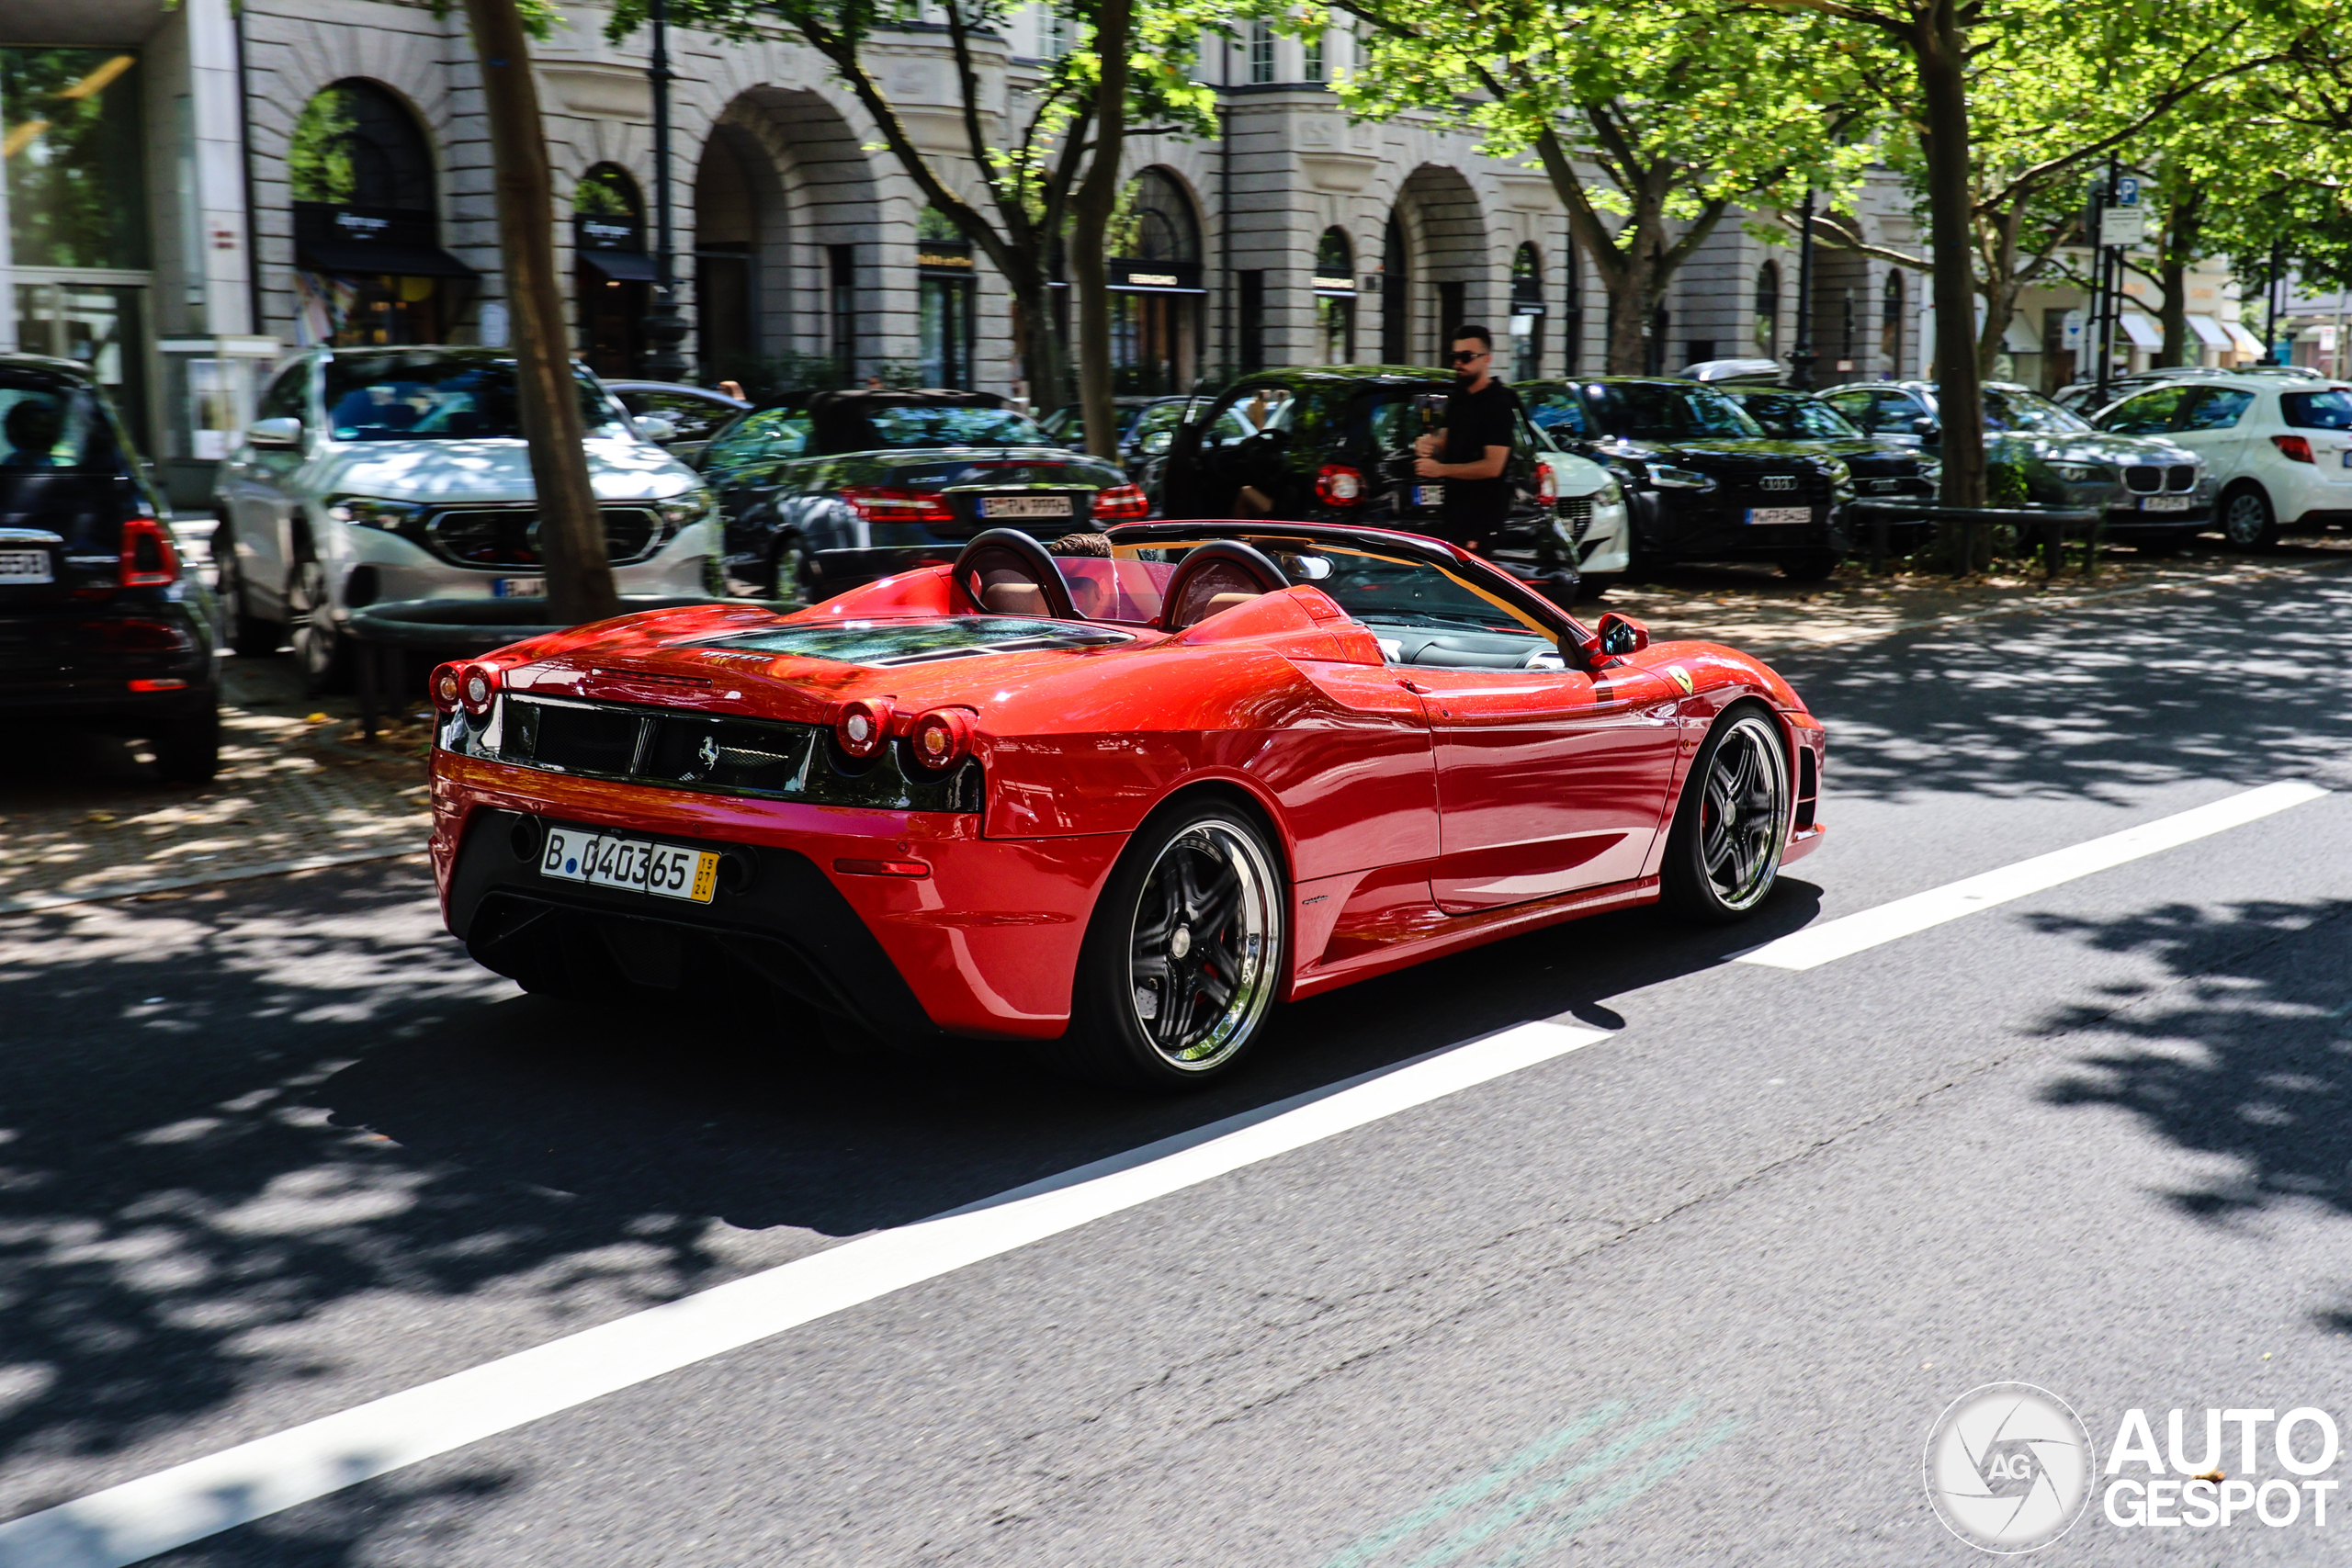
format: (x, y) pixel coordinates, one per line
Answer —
(369, 266)
(614, 277)
(1768, 310)
(841, 273)
(1527, 313)
(947, 334)
(1155, 283)
(1335, 298)
(76, 194)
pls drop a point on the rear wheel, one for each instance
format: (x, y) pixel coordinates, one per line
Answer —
(1813, 566)
(319, 648)
(1184, 956)
(250, 637)
(1723, 855)
(2247, 521)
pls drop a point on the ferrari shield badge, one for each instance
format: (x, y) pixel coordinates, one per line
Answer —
(1680, 677)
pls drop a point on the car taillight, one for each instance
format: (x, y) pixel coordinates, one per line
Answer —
(1547, 485)
(941, 738)
(862, 726)
(478, 688)
(148, 558)
(889, 503)
(445, 688)
(137, 637)
(1120, 504)
(1336, 484)
(2298, 448)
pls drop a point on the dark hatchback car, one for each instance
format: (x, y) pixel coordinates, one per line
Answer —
(1147, 429)
(100, 626)
(694, 413)
(1335, 445)
(1703, 479)
(2157, 494)
(830, 490)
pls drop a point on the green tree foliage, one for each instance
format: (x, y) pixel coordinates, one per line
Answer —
(1651, 121)
(73, 157)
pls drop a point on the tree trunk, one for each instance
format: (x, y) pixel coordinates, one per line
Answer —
(1634, 288)
(572, 530)
(2180, 244)
(1037, 343)
(1091, 208)
(1936, 47)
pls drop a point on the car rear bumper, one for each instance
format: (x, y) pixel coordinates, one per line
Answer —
(985, 944)
(83, 663)
(2125, 523)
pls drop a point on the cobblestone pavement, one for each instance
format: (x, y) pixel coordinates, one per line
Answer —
(83, 818)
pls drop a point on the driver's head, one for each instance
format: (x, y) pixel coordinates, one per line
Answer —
(1474, 351)
(33, 425)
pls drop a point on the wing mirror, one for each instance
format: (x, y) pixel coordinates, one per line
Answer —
(1618, 636)
(1927, 431)
(655, 428)
(282, 433)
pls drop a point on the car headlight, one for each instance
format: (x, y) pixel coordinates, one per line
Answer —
(371, 511)
(2079, 473)
(1679, 479)
(687, 506)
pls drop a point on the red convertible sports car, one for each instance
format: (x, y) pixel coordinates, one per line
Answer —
(1114, 804)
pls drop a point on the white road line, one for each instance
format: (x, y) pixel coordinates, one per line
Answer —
(1851, 934)
(172, 1507)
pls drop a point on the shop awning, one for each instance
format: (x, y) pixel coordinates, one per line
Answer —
(2246, 340)
(622, 266)
(2143, 332)
(2209, 332)
(369, 258)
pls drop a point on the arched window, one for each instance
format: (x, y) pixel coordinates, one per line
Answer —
(1155, 244)
(1335, 298)
(1527, 307)
(1889, 325)
(607, 191)
(613, 270)
(1768, 310)
(357, 145)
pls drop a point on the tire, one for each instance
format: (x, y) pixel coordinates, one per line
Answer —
(1813, 566)
(320, 649)
(1196, 906)
(187, 751)
(2248, 520)
(1591, 588)
(250, 637)
(1723, 855)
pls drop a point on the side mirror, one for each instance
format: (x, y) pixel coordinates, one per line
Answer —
(1618, 636)
(280, 433)
(653, 427)
(1927, 430)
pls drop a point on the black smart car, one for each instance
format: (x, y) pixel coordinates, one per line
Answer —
(1705, 482)
(100, 626)
(830, 490)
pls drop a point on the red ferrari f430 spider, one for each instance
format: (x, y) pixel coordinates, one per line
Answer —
(1116, 805)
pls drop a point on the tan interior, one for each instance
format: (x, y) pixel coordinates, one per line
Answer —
(1220, 603)
(1014, 598)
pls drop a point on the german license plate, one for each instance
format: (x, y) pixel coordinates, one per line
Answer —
(1770, 516)
(2166, 503)
(25, 565)
(1024, 506)
(603, 861)
(518, 587)
(1429, 495)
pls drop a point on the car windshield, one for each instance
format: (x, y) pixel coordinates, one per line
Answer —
(1652, 411)
(2007, 410)
(2317, 410)
(1792, 416)
(913, 426)
(432, 397)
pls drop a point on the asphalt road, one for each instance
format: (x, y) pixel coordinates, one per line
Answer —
(1691, 1293)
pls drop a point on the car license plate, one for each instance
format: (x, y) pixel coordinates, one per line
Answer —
(1024, 506)
(602, 861)
(1429, 495)
(25, 565)
(2166, 503)
(518, 587)
(1782, 516)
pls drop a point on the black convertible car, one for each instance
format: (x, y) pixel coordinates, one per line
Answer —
(830, 490)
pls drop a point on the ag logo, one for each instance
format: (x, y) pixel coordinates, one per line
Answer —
(2008, 1467)
(1680, 677)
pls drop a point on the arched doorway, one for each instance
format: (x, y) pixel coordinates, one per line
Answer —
(1436, 266)
(1335, 298)
(612, 272)
(368, 264)
(1155, 285)
(1527, 310)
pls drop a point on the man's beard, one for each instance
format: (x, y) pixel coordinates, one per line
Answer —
(1464, 377)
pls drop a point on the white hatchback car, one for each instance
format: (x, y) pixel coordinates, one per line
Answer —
(2280, 449)
(379, 474)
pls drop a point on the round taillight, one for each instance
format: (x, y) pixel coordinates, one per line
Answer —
(863, 726)
(476, 688)
(941, 738)
(1339, 485)
(445, 688)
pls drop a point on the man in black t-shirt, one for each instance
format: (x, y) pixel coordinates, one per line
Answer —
(1481, 429)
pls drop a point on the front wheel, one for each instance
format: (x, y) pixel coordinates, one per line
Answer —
(319, 648)
(1184, 956)
(1723, 855)
(1813, 566)
(2247, 521)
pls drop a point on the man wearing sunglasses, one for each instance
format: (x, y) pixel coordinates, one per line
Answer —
(1481, 427)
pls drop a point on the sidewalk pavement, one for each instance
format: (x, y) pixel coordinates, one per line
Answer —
(82, 818)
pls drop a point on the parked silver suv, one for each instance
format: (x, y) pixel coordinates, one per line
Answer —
(401, 473)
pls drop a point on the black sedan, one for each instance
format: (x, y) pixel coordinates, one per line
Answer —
(693, 413)
(1705, 482)
(830, 490)
(100, 626)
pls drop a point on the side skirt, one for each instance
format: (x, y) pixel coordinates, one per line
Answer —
(1461, 933)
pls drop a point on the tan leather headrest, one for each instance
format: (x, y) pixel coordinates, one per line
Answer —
(1220, 602)
(1014, 598)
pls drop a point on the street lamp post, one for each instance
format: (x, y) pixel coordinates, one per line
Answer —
(664, 328)
(1801, 354)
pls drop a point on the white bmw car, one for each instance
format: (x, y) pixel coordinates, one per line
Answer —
(371, 475)
(2280, 448)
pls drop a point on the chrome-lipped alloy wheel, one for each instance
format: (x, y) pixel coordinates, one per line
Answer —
(1744, 814)
(1202, 949)
(309, 617)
